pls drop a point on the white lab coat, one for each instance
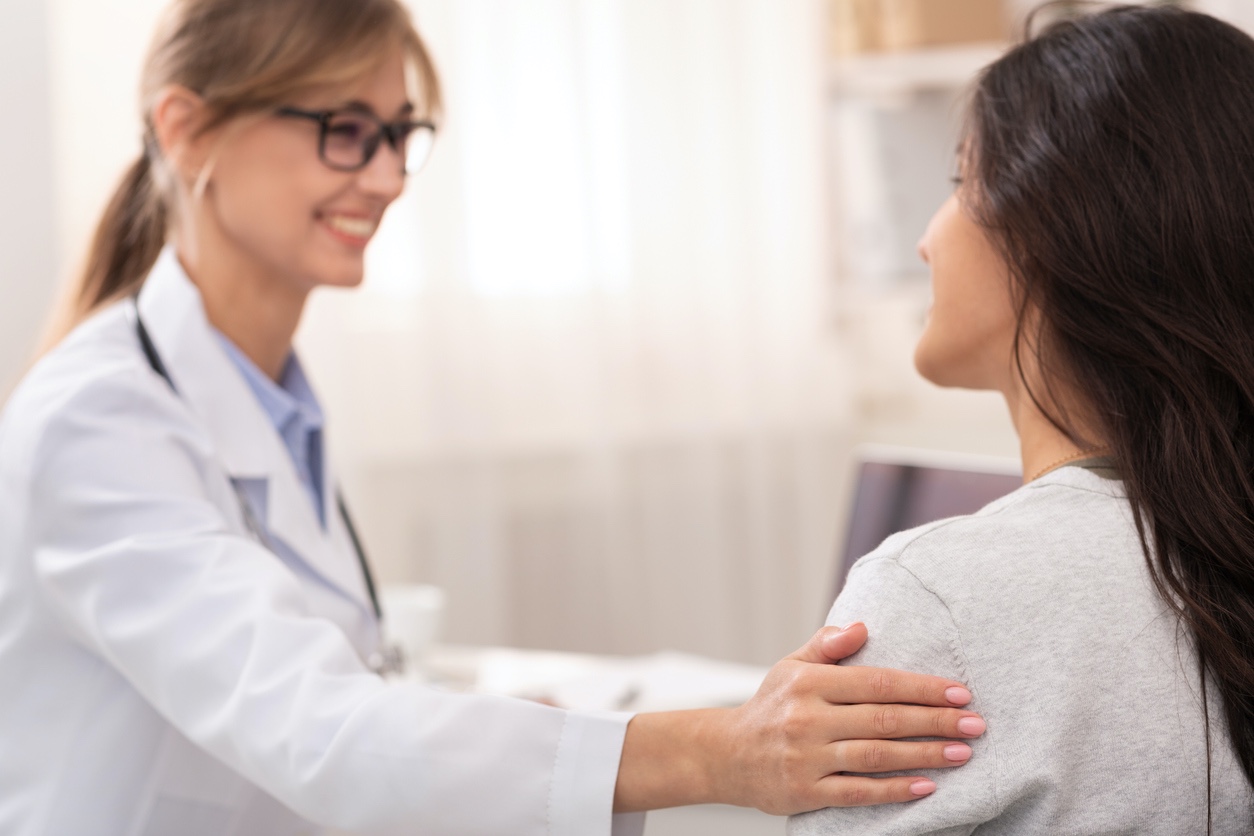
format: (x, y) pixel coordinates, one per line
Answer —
(162, 673)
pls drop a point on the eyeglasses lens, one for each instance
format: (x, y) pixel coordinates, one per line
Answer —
(352, 139)
(346, 138)
(418, 148)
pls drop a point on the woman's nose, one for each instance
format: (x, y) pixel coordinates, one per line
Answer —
(384, 175)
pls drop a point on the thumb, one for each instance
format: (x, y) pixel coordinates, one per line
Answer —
(831, 644)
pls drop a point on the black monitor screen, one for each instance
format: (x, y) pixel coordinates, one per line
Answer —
(895, 497)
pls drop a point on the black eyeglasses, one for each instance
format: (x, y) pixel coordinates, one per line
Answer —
(349, 138)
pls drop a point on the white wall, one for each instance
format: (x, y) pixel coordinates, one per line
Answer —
(28, 252)
(69, 72)
(96, 50)
(1237, 12)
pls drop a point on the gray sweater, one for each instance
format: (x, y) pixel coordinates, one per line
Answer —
(1043, 604)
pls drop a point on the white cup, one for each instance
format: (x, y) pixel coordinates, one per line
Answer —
(412, 614)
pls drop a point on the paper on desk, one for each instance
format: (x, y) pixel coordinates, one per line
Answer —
(665, 681)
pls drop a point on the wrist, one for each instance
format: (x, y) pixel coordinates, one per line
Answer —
(672, 759)
(707, 755)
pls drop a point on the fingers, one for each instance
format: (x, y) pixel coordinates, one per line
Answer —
(852, 684)
(837, 643)
(831, 644)
(850, 791)
(859, 722)
(893, 756)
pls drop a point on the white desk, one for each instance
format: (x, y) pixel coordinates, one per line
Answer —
(666, 681)
(661, 682)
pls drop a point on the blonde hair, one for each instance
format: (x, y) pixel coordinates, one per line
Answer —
(241, 57)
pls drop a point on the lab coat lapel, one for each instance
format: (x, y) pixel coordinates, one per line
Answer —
(245, 440)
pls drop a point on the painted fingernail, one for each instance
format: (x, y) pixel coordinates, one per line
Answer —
(957, 695)
(957, 752)
(923, 787)
(971, 726)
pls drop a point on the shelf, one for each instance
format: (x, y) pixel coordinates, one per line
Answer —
(894, 73)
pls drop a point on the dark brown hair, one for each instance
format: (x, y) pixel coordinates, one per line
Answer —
(241, 57)
(1112, 160)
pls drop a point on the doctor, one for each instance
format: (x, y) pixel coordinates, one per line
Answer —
(189, 642)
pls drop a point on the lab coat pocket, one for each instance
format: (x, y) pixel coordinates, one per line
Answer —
(181, 817)
(172, 816)
(194, 794)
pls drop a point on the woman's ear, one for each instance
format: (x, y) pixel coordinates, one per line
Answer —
(177, 117)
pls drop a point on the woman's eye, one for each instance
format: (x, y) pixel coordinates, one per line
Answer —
(347, 129)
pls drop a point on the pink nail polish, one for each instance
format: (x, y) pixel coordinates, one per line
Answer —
(957, 752)
(923, 787)
(957, 695)
(971, 726)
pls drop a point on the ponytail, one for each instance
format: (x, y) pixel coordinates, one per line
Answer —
(128, 240)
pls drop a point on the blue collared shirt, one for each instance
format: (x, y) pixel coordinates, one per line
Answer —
(294, 411)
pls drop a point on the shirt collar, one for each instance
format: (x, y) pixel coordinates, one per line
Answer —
(292, 398)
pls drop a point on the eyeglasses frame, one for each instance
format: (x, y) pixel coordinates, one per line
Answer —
(393, 132)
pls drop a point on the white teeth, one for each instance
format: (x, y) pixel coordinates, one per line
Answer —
(356, 227)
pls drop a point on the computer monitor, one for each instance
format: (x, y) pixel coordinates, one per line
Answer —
(900, 488)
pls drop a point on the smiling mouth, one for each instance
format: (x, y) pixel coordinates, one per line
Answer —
(356, 229)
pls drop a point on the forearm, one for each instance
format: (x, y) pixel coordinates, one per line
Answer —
(668, 760)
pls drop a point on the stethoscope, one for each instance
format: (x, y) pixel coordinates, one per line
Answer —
(389, 659)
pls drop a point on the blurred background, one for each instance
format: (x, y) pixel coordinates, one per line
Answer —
(619, 339)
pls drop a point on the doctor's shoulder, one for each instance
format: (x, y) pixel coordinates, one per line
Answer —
(94, 380)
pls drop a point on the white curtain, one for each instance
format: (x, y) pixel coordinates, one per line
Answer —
(590, 387)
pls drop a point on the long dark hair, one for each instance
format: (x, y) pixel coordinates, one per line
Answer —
(1111, 158)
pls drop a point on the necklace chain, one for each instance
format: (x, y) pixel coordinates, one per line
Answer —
(1077, 456)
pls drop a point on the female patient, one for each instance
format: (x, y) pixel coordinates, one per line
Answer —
(1096, 266)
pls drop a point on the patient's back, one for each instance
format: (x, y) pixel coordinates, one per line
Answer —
(1043, 604)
